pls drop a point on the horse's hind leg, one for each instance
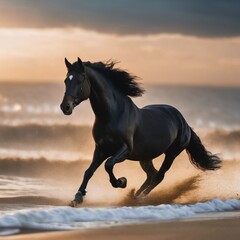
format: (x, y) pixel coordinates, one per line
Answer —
(159, 176)
(150, 170)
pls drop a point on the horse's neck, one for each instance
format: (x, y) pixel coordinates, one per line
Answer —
(103, 98)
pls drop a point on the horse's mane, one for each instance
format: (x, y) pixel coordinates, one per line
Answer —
(120, 79)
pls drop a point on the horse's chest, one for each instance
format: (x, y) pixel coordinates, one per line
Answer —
(105, 140)
(108, 144)
(108, 138)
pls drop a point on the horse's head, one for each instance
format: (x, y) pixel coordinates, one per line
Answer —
(77, 86)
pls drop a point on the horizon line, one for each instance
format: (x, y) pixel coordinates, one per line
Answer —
(21, 81)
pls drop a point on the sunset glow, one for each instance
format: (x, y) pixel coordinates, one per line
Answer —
(171, 52)
(119, 119)
(37, 55)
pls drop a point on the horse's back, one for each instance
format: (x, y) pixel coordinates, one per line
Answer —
(171, 119)
(162, 116)
(159, 126)
(162, 110)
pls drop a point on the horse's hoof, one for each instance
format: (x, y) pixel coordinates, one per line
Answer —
(140, 196)
(78, 199)
(136, 196)
(122, 182)
(73, 204)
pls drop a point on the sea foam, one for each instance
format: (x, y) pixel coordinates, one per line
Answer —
(67, 218)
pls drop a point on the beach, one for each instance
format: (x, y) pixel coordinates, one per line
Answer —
(119, 120)
(220, 229)
(44, 156)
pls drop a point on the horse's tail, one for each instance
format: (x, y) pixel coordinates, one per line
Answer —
(199, 156)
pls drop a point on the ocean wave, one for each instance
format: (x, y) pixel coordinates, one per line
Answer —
(41, 167)
(67, 218)
(221, 137)
(32, 200)
(224, 142)
(34, 136)
(79, 137)
(72, 142)
(51, 155)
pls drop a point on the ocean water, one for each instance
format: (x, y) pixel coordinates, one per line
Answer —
(43, 155)
(67, 218)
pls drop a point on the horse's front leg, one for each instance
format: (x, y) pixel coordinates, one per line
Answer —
(98, 158)
(118, 157)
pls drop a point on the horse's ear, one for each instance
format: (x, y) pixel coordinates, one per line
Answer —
(67, 63)
(80, 64)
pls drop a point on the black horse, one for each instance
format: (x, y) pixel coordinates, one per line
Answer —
(123, 131)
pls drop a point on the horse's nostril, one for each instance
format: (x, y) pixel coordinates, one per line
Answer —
(67, 108)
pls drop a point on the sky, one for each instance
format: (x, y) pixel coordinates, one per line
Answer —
(170, 42)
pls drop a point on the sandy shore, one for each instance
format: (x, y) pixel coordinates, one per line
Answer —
(227, 229)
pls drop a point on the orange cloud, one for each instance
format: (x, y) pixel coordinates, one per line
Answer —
(37, 55)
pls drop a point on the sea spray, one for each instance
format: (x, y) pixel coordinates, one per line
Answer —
(66, 218)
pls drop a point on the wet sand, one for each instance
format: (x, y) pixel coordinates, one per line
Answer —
(208, 229)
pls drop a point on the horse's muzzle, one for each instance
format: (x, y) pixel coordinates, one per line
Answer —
(67, 108)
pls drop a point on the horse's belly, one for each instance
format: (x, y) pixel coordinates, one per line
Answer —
(150, 145)
(145, 154)
(153, 139)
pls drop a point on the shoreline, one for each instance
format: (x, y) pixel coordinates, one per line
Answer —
(218, 229)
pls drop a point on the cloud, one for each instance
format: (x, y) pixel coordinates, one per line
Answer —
(203, 18)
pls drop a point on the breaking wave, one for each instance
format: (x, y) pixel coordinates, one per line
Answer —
(224, 138)
(66, 218)
(75, 138)
(225, 142)
(41, 167)
(34, 136)
(33, 200)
